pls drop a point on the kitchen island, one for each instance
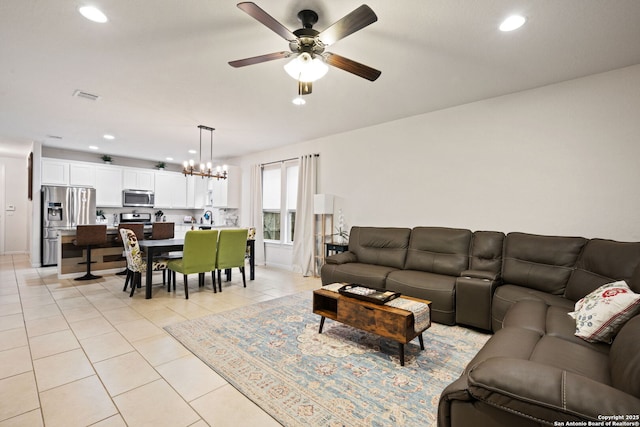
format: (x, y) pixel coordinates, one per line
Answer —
(109, 257)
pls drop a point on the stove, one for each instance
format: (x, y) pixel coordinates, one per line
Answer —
(144, 218)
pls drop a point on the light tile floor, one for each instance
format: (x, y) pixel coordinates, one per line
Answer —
(85, 354)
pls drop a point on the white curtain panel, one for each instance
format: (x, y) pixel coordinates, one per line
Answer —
(255, 207)
(303, 241)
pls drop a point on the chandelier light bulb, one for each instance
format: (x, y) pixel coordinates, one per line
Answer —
(209, 165)
(192, 163)
(185, 164)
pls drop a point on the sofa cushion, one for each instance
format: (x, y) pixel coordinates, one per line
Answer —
(508, 342)
(486, 251)
(602, 262)
(437, 288)
(550, 320)
(559, 324)
(373, 276)
(540, 262)
(439, 250)
(507, 295)
(624, 358)
(380, 245)
(604, 311)
(572, 357)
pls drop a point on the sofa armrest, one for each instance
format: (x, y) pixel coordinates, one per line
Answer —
(474, 296)
(545, 393)
(480, 274)
(341, 258)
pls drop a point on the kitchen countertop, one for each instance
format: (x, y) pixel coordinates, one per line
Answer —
(113, 229)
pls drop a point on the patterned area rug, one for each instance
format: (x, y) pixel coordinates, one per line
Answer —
(272, 353)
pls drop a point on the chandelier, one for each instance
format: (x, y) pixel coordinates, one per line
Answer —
(205, 171)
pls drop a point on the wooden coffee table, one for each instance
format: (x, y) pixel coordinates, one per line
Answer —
(386, 321)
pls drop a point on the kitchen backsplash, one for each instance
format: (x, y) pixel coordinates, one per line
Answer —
(221, 217)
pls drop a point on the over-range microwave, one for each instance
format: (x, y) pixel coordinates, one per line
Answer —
(138, 198)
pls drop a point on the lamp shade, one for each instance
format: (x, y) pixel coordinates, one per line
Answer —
(322, 204)
(306, 69)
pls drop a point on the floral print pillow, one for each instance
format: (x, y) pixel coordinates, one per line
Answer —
(600, 315)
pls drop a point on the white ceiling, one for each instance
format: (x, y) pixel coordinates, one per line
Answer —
(160, 67)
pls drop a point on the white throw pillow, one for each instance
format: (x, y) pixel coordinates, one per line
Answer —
(600, 315)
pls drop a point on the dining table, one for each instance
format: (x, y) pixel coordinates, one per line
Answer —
(153, 248)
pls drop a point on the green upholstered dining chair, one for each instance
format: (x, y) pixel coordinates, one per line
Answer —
(198, 256)
(135, 264)
(232, 247)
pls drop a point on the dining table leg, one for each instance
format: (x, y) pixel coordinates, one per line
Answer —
(252, 259)
(147, 291)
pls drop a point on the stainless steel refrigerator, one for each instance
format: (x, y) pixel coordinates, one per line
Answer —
(64, 208)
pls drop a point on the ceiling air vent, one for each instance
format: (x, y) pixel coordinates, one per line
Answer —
(86, 95)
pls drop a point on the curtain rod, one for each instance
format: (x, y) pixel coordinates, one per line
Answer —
(286, 160)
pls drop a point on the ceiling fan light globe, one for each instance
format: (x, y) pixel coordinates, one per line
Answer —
(93, 14)
(512, 23)
(305, 69)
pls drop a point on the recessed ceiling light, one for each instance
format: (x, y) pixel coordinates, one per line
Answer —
(109, 137)
(192, 151)
(93, 14)
(93, 147)
(299, 100)
(169, 158)
(512, 23)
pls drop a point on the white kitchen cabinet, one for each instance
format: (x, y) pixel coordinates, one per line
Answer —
(138, 179)
(54, 172)
(196, 192)
(82, 174)
(170, 190)
(225, 193)
(108, 186)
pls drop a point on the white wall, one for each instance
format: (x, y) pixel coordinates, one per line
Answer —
(15, 235)
(559, 160)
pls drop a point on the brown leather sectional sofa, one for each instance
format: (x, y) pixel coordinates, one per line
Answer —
(533, 371)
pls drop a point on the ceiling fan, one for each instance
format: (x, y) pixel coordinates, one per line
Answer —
(307, 46)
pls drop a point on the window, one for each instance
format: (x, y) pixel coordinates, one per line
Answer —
(292, 200)
(279, 199)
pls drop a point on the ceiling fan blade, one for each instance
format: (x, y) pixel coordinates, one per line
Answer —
(354, 21)
(351, 66)
(259, 59)
(267, 20)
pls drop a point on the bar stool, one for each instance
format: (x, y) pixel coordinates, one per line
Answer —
(88, 236)
(162, 230)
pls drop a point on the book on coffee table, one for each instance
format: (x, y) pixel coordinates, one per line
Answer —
(376, 296)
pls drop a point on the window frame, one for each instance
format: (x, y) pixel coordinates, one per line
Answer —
(286, 229)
